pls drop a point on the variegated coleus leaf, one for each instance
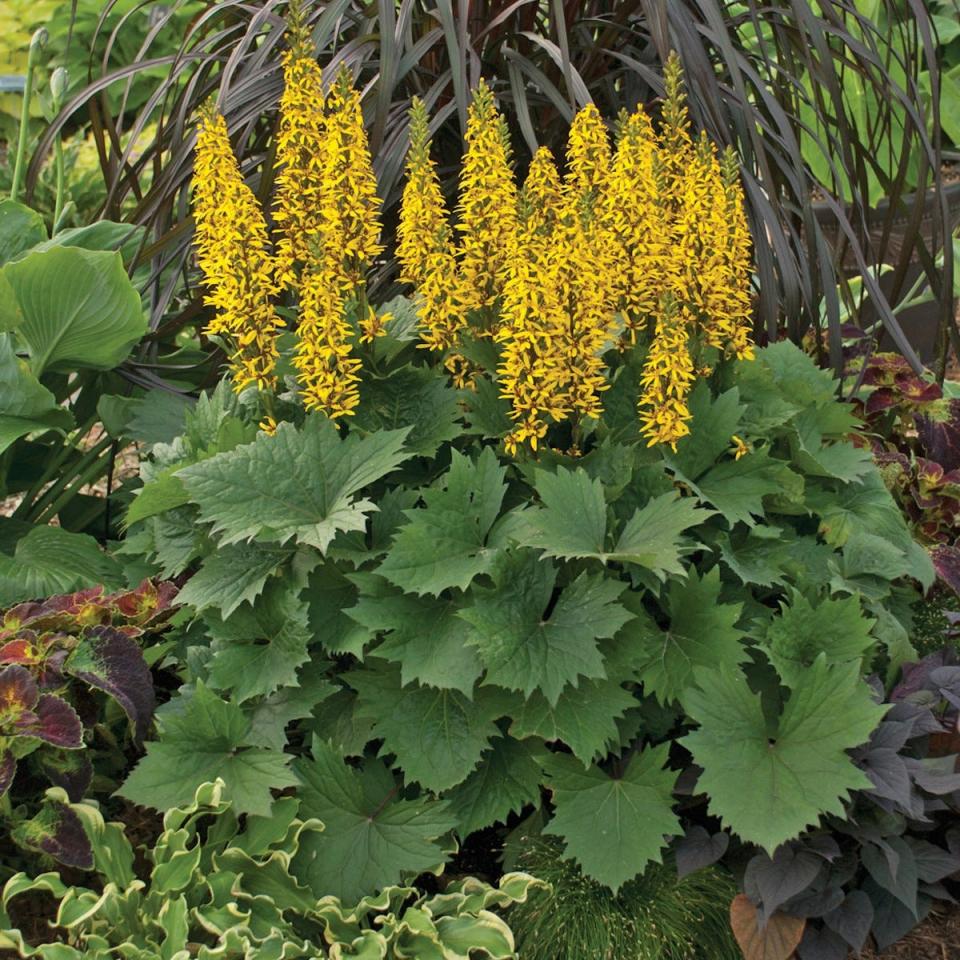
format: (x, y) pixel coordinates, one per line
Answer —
(25, 712)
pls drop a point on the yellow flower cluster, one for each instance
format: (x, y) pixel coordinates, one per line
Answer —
(644, 244)
(232, 251)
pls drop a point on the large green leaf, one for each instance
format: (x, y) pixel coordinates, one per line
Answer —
(373, 838)
(614, 826)
(20, 229)
(79, 308)
(295, 484)
(205, 739)
(530, 640)
(437, 736)
(25, 404)
(50, 560)
(770, 781)
(444, 544)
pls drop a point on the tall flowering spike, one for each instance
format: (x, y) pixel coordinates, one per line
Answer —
(667, 378)
(738, 260)
(488, 202)
(541, 196)
(300, 160)
(425, 243)
(588, 152)
(231, 243)
(635, 213)
(675, 141)
(350, 207)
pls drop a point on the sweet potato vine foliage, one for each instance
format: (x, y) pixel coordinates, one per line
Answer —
(454, 578)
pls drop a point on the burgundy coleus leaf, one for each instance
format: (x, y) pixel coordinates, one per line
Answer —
(917, 392)
(148, 603)
(8, 770)
(112, 662)
(24, 650)
(54, 721)
(69, 769)
(883, 398)
(946, 561)
(882, 369)
(58, 832)
(18, 694)
(939, 434)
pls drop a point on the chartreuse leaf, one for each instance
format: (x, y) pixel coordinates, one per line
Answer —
(206, 739)
(770, 781)
(296, 484)
(613, 826)
(702, 633)
(444, 543)
(372, 837)
(438, 736)
(835, 628)
(527, 646)
(259, 648)
(424, 635)
(50, 560)
(507, 779)
(79, 308)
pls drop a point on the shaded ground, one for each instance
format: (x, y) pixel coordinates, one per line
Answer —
(937, 938)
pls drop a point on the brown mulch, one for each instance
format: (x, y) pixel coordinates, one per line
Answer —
(937, 938)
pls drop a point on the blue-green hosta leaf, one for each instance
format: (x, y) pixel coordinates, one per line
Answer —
(412, 397)
(232, 575)
(445, 542)
(524, 648)
(26, 406)
(424, 635)
(438, 736)
(206, 739)
(835, 628)
(372, 837)
(297, 484)
(79, 308)
(508, 778)
(51, 560)
(769, 783)
(613, 827)
(260, 647)
(702, 633)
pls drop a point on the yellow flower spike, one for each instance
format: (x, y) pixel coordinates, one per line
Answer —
(541, 196)
(588, 152)
(300, 160)
(231, 244)
(488, 203)
(675, 141)
(374, 325)
(738, 260)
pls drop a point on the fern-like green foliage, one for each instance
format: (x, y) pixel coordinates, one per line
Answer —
(653, 917)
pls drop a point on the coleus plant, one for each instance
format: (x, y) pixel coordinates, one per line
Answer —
(914, 432)
(421, 636)
(69, 665)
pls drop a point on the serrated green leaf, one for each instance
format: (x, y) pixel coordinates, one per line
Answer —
(712, 426)
(507, 779)
(702, 632)
(372, 838)
(260, 647)
(207, 739)
(269, 718)
(573, 520)
(330, 594)
(50, 560)
(487, 412)
(438, 736)
(234, 574)
(444, 543)
(797, 767)
(413, 397)
(803, 631)
(814, 456)
(613, 827)
(584, 717)
(424, 635)
(296, 484)
(525, 649)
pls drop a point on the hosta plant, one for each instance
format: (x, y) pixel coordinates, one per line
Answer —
(216, 886)
(74, 683)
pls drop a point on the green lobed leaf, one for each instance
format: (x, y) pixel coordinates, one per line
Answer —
(444, 543)
(797, 766)
(573, 520)
(614, 826)
(526, 646)
(714, 421)
(330, 594)
(296, 484)
(372, 837)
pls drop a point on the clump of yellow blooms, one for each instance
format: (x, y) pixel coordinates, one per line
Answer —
(643, 245)
(232, 251)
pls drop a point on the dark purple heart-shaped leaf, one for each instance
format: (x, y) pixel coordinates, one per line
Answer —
(54, 721)
(770, 882)
(852, 919)
(69, 769)
(698, 849)
(57, 831)
(819, 943)
(18, 693)
(8, 770)
(112, 662)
